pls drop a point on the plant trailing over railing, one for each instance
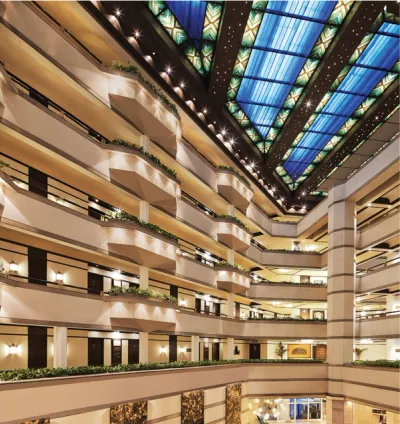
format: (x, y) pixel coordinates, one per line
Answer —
(3, 165)
(125, 216)
(236, 172)
(236, 220)
(226, 264)
(290, 250)
(137, 291)
(131, 69)
(30, 374)
(378, 363)
(4, 272)
(285, 319)
(120, 142)
(291, 283)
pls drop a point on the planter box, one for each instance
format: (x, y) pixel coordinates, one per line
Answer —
(142, 245)
(232, 280)
(234, 189)
(233, 235)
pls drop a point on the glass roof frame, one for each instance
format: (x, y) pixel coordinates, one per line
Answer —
(390, 76)
(260, 9)
(201, 57)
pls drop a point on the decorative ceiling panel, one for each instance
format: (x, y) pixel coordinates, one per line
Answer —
(371, 70)
(282, 46)
(193, 25)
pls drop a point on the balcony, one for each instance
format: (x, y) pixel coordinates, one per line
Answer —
(379, 277)
(384, 325)
(286, 291)
(285, 258)
(233, 280)
(135, 101)
(233, 235)
(138, 173)
(235, 191)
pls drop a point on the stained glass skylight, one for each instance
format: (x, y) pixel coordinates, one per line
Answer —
(281, 48)
(372, 68)
(193, 25)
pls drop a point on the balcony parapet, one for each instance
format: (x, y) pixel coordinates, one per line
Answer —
(234, 189)
(287, 291)
(233, 234)
(232, 279)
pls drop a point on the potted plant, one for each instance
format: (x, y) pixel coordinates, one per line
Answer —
(280, 350)
(358, 351)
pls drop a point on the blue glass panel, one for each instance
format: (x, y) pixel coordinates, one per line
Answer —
(392, 29)
(295, 169)
(263, 130)
(342, 104)
(287, 34)
(316, 141)
(260, 114)
(274, 66)
(327, 124)
(270, 93)
(361, 80)
(190, 15)
(311, 9)
(381, 52)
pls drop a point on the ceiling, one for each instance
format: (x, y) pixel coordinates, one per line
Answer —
(304, 92)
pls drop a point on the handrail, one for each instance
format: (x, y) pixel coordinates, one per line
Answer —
(382, 265)
(382, 314)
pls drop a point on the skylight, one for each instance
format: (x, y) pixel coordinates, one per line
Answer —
(193, 25)
(371, 69)
(282, 46)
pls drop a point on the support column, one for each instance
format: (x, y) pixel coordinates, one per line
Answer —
(230, 347)
(195, 357)
(143, 347)
(144, 210)
(338, 411)
(393, 349)
(60, 347)
(143, 277)
(231, 210)
(231, 256)
(230, 305)
(144, 142)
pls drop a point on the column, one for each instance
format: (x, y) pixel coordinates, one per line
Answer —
(393, 349)
(231, 210)
(195, 357)
(143, 277)
(341, 277)
(230, 305)
(230, 342)
(60, 347)
(143, 347)
(144, 142)
(144, 210)
(231, 256)
(338, 411)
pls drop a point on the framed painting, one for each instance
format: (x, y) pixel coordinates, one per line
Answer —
(298, 351)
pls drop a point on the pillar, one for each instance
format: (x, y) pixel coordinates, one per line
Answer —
(393, 349)
(338, 411)
(60, 347)
(144, 142)
(392, 300)
(195, 357)
(231, 210)
(230, 303)
(143, 347)
(230, 342)
(392, 418)
(143, 277)
(341, 277)
(231, 256)
(144, 210)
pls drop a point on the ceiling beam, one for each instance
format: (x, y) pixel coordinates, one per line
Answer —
(383, 106)
(349, 36)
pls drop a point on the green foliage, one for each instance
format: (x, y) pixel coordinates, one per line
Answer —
(292, 282)
(120, 142)
(378, 363)
(3, 165)
(30, 374)
(236, 220)
(280, 350)
(358, 351)
(143, 292)
(236, 172)
(125, 216)
(226, 264)
(131, 69)
(3, 272)
(285, 318)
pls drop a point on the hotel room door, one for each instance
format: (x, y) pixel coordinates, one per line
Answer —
(254, 350)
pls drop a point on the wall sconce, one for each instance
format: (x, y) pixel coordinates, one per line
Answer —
(13, 267)
(13, 349)
(163, 349)
(60, 277)
(182, 349)
(182, 302)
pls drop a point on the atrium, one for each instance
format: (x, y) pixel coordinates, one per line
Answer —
(199, 212)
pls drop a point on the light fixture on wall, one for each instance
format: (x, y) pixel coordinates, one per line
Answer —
(182, 302)
(13, 349)
(13, 267)
(182, 349)
(60, 277)
(163, 349)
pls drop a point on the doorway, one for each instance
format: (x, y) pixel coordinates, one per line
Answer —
(133, 351)
(215, 351)
(95, 351)
(37, 347)
(95, 283)
(254, 350)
